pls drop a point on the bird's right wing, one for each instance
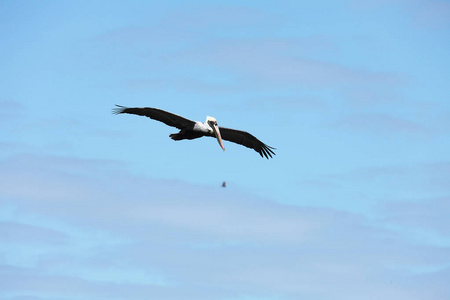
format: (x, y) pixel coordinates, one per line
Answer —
(246, 139)
(156, 114)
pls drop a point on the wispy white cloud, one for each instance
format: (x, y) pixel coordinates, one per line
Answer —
(430, 14)
(419, 179)
(425, 177)
(186, 84)
(381, 124)
(108, 233)
(240, 64)
(301, 102)
(359, 96)
(192, 22)
(13, 232)
(10, 111)
(262, 62)
(428, 214)
(433, 14)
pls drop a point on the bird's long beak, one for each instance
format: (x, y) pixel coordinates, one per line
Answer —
(219, 138)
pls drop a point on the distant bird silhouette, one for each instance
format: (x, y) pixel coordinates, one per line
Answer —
(190, 130)
(224, 184)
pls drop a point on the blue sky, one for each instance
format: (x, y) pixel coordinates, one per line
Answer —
(353, 94)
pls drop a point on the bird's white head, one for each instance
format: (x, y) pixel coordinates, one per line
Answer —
(214, 128)
(210, 121)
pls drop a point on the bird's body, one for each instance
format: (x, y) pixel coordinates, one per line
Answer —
(197, 130)
(190, 130)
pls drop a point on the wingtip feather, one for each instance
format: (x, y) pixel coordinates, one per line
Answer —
(118, 110)
(267, 151)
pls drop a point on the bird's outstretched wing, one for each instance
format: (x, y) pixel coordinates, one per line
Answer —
(246, 139)
(156, 114)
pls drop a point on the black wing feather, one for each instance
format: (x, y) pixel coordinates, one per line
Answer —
(166, 117)
(246, 139)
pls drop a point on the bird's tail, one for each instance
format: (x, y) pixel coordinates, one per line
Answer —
(175, 137)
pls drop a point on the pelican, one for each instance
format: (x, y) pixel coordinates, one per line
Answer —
(194, 129)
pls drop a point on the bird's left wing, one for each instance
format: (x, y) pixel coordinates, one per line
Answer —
(246, 139)
(156, 114)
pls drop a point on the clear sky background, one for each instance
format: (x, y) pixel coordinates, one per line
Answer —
(354, 94)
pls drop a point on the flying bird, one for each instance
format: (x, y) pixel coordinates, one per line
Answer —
(190, 130)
